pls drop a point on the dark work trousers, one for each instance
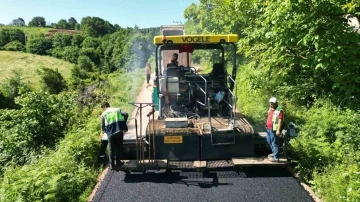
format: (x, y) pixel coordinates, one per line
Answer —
(147, 78)
(103, 145)
(115, 147)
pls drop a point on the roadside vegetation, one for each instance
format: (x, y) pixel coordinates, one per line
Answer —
(307, 55)
(27, 64)
(50, 95)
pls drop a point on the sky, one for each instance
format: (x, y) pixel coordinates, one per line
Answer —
(126, 13)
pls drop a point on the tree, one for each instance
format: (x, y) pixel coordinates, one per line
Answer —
(91, 42)
(306, 53)
(9, 35)
(72, 23)
(39, 46)
(117, 27)
(96, 27)
(12, 88)
(77, 40)
(14, 46)
(22, 20)
(61, 40)
(37, 21)
(62, 24)
(51, 80)
(71, 54)
(91, 53)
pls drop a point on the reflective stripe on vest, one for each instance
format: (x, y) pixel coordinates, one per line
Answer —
(275, 118)
(112, 115)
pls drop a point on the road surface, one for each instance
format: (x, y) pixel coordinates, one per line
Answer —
(248, 184)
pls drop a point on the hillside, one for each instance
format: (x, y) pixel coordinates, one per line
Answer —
(47, 31)
(30, 30)
(27, 64)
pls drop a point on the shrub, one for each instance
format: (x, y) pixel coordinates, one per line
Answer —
(15, 46)
(91, 53)
(71, 54)
(60, 176)
(61, 40)
(39, 46)
(57, 52)
(10, 35)
(77, 40)
(40, 123)
(339, 183)
(51, 80)
(91, 42)
(69, 173)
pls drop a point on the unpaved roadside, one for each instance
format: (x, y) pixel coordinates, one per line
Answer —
(144, 96)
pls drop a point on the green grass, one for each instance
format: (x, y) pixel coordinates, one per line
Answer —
(30, 30)
(27, 64)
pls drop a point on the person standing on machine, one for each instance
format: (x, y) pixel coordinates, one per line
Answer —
(274, 126)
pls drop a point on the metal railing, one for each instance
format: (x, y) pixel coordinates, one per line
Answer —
(140, 139)
(233, 100)
(201, 88)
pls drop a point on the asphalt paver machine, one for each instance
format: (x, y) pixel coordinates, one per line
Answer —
(194, 123)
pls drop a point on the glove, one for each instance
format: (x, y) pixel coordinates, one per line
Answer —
(104, 136)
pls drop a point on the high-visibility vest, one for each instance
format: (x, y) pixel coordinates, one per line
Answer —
(114, 121)
(275, 118)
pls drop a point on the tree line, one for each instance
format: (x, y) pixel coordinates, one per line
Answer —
(306, 53)
(100, 47)
(49, 136)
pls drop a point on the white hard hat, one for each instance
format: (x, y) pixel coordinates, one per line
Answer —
(273, 100)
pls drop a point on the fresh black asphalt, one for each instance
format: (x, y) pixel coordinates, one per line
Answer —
(240, 184)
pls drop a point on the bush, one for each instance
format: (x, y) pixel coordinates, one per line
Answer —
(63, 175)
(57, 52)
(91, 42)
(339, 183)
(86, 64)
(77, 40)
(71, 54)
(51, 80)
(61, 40)
(69, 173)
(15, 46)
(10, 35)
(13, 87)
(328, 151)
(46, 122)
(39, 46)
(91, 53)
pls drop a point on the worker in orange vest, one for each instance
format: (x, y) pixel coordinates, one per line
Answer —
(274, 126)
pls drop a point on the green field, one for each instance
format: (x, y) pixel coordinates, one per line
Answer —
(30, 30)
(27, 64)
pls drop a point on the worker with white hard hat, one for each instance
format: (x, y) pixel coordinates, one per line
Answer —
(274, 125)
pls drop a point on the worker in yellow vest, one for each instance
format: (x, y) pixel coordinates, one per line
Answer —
(274, 126)
(113, 124)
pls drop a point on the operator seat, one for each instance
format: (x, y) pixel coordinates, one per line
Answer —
(218, 70)
(172, 70)
(218, 74)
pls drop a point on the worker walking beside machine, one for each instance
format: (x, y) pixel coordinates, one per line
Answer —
(113, 123)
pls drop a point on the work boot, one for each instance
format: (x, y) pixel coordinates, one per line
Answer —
(119, 163)
(112, 167)
(274, 159)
